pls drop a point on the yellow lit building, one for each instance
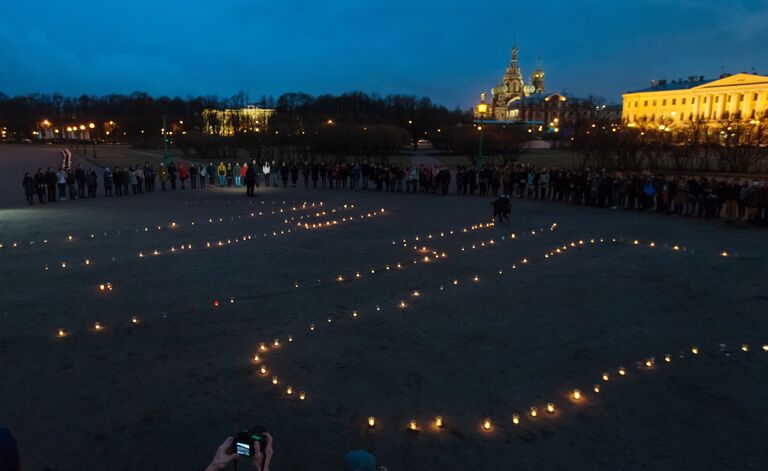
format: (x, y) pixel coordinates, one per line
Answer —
(733, 97)
(234, 121)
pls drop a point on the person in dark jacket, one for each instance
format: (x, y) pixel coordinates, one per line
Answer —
(29, 188)
(9, 451)
(50, 183)
(172, 175)
(40, 185)
(251, 176)
(80, 179)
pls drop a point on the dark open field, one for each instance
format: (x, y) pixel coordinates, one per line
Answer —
(520, 328)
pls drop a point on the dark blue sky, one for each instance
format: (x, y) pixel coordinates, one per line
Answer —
(449, 50)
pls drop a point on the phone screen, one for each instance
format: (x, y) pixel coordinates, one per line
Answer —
(243, 449)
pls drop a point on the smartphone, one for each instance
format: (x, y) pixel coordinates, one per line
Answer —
(245, 439)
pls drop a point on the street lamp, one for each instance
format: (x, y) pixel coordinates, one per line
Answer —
(93, 137)
(482, 108)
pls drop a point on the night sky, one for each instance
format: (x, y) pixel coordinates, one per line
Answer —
(448, 50)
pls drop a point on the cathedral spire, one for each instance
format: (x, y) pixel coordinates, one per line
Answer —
(514, 53)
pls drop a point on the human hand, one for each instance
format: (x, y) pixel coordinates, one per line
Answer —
(223, 456)
(266, 458)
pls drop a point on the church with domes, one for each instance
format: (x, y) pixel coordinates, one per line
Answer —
(512, 88)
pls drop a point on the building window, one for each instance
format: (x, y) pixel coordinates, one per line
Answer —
(674, 101)
(654, 102)
(729, 98)
(684, 101)
(705, 99)
(755, 97)
(717, 99)
(645, 103)
(636, 103)
(663, 102)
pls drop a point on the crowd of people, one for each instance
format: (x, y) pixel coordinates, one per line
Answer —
(67, 183)
(735, 199)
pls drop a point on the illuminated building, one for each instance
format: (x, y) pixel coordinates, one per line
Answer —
(228, 122)
(739, 97)
(512, 88)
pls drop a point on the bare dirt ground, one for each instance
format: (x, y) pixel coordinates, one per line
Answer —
(162, 393)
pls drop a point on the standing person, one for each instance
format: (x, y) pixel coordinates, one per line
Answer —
(183, 174)
(221, 172)
(305, 173)
(162, 173)
(126, 179)
(250, 178)
(230, 176)
(294, 175)
(203, 172)
(71, 184)
(91, 182)
(236, 173)
(107, 176)
(284, 171)
(274, 171)
(211, 172)
(315, 174)
(29, 188)
(133, 178)
(193, 176)
(172, 175)
(139, 172)
(40, 185)
(117, 176)
(50, 184)
(266, 169)
(80, 179)
(61, 183)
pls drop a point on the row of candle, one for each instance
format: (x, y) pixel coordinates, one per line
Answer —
(441, 234)
(575, 396)
(402, 304)
(334, 222)
(174, 225)
(187, 246)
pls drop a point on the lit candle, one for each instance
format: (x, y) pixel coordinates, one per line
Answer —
(723, 253)
(416, 294)
(476, 278)
(290, 338)
(622, 371)
(262, 347)
(276, 343)
(744, 347)
(289, 390)
(354, 313)
(596, 388)
(61, 333)
(534, 411)
(695, 350)
(439, 421)
(515, 419)
(371, 422)
(668, 358)
(302, 395)
(263, 369)
(413, 426)
(765, 348)
(402, 304)
(98, 326)
(550, 408)
(605, 376)
(256, 358)
(576, 394)
(134, 320)
(649, 363)
(455, 282)
(274, 380)
(312, 327)
(102, 287)
(487, 424)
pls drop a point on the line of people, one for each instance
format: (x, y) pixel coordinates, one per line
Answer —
(67, 183)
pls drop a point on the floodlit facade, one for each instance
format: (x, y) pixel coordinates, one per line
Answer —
(234, 121)
(739, 97)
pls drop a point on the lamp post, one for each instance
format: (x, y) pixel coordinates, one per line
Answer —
(92, 128)
(482, 108)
